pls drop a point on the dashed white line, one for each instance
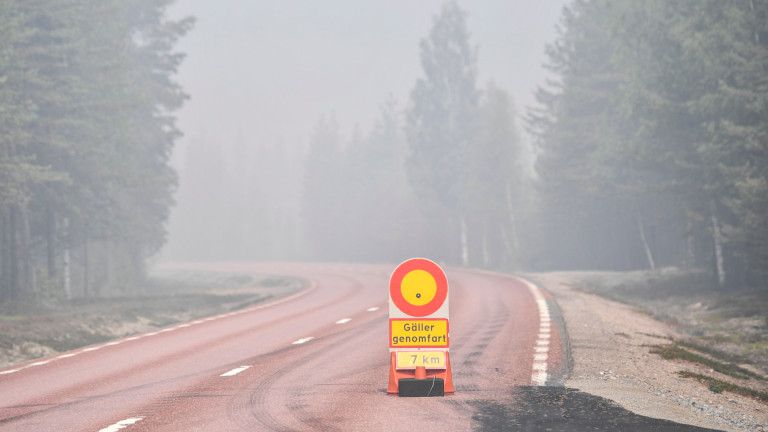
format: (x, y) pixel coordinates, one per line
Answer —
(343, 320)
(303, 340)
(372, 309)
(63, 356)
(122, 424)
(235, 371)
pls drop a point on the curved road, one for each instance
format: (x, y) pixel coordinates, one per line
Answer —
(317, 360)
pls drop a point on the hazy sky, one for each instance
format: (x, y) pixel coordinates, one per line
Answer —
(268, 70)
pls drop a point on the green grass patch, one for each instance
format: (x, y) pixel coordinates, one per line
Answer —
(675, 351)
(718, 386)
(732, 358)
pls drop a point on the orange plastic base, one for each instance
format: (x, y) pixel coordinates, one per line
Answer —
(395, 375)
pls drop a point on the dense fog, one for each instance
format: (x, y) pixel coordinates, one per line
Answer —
(271, 85)
(582, 134)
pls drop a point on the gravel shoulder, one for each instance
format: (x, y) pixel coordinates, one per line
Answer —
(611, 347)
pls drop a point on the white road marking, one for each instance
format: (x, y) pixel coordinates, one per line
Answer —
(122, 424)
(539, 373)
(312, 287)
(235, 371)
(373, 309)
(303, 340)
(539, 377)
(343, 320)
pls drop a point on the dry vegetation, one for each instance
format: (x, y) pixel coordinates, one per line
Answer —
(30, 331)
(724, 331)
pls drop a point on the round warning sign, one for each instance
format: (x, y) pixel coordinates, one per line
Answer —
(418, 287)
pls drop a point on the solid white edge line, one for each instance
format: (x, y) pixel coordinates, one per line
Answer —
(312, 286)
(539, 373)
(121, 424)
(235, 371)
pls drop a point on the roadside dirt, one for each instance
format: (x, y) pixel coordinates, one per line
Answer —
(30, 331)
(611, 346)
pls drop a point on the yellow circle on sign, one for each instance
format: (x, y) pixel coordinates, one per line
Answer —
(418, 287)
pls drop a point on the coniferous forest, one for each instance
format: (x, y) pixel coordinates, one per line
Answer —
(647, 148)
(86, 129)
(653, 139)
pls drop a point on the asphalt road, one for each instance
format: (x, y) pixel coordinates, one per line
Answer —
(318, 360)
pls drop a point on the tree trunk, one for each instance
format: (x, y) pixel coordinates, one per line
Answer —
(646, 247)
(29, 282)
(464, 245)
(50, 240)
(717, 238)
(5, 254)
(85, 269)
(67, 282)
(19, 252)
(511, 240)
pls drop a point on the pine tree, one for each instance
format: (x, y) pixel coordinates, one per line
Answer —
(440, 127)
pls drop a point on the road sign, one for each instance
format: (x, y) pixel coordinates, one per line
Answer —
(418, 333)
(418, 288)
(418, 329)
(413, 359)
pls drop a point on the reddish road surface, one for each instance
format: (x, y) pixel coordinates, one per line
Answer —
(317, 360)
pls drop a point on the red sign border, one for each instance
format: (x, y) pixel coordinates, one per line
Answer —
(396, 293)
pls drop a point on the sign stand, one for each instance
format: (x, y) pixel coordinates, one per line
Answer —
(419, 340)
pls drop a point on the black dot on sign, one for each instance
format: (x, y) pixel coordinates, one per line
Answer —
(418, 295)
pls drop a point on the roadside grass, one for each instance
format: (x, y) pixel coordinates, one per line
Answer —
(724, 331)
(675, 351)
(31, 330)
(718, 386)
(731, 326)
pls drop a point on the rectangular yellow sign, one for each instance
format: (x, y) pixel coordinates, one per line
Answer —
(410, 333)
(414, 359)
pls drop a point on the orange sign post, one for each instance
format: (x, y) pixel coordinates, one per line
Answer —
(419, 340)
